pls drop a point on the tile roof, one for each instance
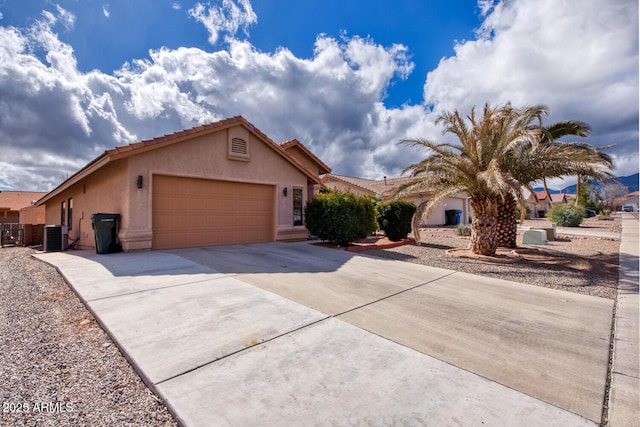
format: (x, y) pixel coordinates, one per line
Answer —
(171, 138)
(287, 145)
(174, 136)
(380, 187)
(16, 200)
(559, 197)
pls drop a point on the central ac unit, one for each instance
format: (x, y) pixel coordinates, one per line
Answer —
(55, 238)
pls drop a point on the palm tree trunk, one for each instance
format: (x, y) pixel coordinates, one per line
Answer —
(546, 189)
(507, 224)
(416, 220)
(483, 228)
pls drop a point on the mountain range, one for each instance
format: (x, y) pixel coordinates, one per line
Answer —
(631, 182)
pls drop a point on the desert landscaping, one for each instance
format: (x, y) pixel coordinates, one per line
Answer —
(574, 263)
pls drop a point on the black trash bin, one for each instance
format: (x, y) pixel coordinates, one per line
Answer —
(105, 228)
(453, 216)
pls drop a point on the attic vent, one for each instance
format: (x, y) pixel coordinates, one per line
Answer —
(238, 149)
(239, 146)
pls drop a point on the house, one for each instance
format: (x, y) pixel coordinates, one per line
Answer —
(631, 201)
(308, 160)
(16, 207)
(21, 223)
(540, 203)
(385, 188)
(220, 183)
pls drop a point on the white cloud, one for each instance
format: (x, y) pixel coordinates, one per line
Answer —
(228, 18)
(581, 62)
(54, 118)
(176, 6)
(105, 11)
(67, 18)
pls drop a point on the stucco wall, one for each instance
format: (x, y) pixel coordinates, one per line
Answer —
(207, 157)
(302, 157)
(437, 216)
(103, 192)
(32, 215)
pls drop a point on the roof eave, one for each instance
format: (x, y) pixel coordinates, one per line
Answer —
(140, 147)
(90, 168)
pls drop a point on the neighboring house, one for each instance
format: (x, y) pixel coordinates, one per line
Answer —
(221, 183)
(631, 199)
(16, 207)
(308, 160)
(540, 203)
(384, 189)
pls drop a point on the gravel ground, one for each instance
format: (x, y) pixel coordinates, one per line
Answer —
(580, 264)
(57, 366)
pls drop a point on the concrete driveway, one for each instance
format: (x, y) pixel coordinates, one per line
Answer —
(291, 333)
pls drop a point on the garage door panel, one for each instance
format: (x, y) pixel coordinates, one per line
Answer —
(196, 212)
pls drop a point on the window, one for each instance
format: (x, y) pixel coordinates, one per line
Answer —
(70, 212)
(63, 212)
(297, 206)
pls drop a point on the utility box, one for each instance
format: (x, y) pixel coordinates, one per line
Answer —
(55, 238)
(105, 231)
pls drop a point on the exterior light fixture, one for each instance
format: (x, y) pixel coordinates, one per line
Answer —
(285, 191)
(139, 181)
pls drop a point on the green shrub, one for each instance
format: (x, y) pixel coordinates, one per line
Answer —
(395, 218)
(340, 218)
(566, 215)
(462, 230)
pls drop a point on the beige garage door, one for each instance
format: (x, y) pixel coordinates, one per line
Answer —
(191, 212)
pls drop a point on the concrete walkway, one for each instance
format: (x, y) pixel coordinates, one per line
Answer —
(294, 334)
(624, 398)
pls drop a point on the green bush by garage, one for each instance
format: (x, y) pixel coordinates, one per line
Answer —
(340, 217)
(395, 217)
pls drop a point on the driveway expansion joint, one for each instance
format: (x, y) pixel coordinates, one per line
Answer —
(233, 353)
(175, 285)
(394, 294)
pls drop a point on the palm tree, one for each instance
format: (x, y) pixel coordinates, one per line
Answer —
(500, 152)
(556, 131)
(548, 158)
(476, 165)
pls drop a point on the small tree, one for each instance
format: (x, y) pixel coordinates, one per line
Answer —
(566, 215)
(587, 196)
(395, 218)
(340, 217)
(610, 191)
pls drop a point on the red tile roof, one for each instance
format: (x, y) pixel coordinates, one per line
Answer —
(171, 138)
(380, 187)
(288, 145)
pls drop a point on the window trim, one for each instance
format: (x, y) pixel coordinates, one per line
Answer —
(63, 212)
(299, 209)
(70, 212)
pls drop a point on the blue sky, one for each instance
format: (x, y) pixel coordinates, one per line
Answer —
(108, 34)
(347, 78)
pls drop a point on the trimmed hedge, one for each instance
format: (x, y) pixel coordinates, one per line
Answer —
(395, 218)
(566, 215)
(339, 217)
